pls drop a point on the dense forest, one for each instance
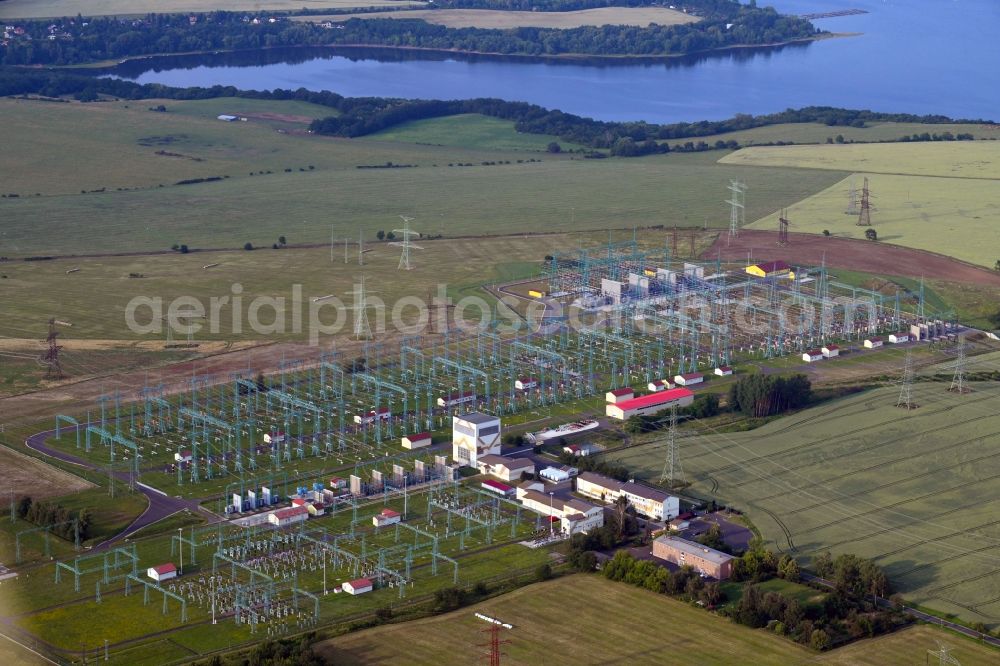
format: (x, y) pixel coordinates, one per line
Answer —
(365, 115)
(79, 40)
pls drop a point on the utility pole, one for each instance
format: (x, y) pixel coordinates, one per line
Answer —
(783, 228)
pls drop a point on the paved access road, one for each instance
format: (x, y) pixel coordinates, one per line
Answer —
(160, 506)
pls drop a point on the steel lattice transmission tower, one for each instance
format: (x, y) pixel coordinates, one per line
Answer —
(737, 203)
(958, 379)
(362, 327)
(906, 387)
(406, 243)
(673, 472)
(865, 215)
(783, 228)
(852, 200)
(51, 355)
(943, 656)
(495, 652)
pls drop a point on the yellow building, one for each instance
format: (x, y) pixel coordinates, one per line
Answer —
(535, 293)
(771, 269)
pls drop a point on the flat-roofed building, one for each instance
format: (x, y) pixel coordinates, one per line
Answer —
(650, 502)
(703, 559)
(473, 435)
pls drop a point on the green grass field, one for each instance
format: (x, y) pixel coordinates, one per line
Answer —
(52, 144)
(15, 9)
(589, 620)
(469, 130)
(916, 491)
(951, 159)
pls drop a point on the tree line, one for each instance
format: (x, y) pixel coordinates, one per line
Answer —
(359, 116)
(846, 613)
(59, 517)
(94, 39)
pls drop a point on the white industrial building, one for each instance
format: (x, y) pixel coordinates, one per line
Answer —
(575, 515)
(647, 501)
(689, 379)
(650, 404)
(526, 383)
(873, 343)
(619, 395)
(417, 441)
(274, 438)
(285, 517)
(386, 517)
(896, 338)
(724, 371)
(812, 355)
(162, 572)
(659, 385)
(456, 399)
(472, 435)
(830, 351)
(503, 467)
(357, 586)
(382, 414)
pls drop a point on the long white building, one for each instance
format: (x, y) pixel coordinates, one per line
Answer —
(647, 501)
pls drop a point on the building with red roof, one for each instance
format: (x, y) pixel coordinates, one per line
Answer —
(284, 517)
(162, 572)
(357, 586)
(416, 441)
(650, 404)
(497, 487)
(386, 517)
(619, 395)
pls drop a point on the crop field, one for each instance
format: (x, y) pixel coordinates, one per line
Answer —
(820, 132)
(950, 216)
(544, 623)
(469, 130)
(488, 18)
(15, 9)
(560, 619)
(24, 475)
(950, 159)
(916, 491)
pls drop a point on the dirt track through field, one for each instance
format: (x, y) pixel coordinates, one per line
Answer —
(850, 254)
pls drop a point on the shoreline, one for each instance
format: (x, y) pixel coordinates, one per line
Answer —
(577, 58)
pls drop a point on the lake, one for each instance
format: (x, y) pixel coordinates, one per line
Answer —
(912, 56)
